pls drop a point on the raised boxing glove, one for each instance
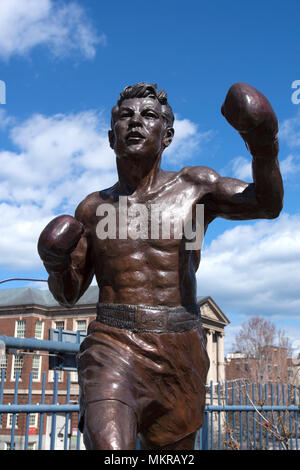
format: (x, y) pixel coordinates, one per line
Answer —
(251, 114)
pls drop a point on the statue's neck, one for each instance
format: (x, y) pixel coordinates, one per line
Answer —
(135, 176)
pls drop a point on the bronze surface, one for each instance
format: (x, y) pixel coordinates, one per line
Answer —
(141, 382)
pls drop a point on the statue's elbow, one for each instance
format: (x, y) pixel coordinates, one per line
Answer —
(274, 212)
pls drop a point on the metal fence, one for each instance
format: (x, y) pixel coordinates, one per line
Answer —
(238, 415)
(58, 435)
(56, 422)
(244, 416)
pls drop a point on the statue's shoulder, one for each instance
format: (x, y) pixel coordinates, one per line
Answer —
(199, 175)
(87, 208)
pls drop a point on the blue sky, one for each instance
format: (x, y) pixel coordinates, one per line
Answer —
(64, 64)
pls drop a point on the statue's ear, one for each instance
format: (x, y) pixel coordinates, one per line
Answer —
(111, 138)
(169, 134)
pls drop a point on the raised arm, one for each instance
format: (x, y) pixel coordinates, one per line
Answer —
(251, 114)
(64, 249)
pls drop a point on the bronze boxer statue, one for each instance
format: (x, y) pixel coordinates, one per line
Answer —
(142, 368)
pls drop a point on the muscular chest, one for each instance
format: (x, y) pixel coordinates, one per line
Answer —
(150, 228)
(159, 220)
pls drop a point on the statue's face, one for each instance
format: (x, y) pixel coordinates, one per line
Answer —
(139, 128)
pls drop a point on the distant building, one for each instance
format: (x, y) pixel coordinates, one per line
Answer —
(271, 365)
(214, 322)
(31, 313)
(294, 371)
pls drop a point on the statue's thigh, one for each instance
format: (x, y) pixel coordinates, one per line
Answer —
(109, 425)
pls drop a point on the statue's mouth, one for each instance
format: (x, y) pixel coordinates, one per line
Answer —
(134, 135)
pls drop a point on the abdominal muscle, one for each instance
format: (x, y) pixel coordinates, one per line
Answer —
(148, 276)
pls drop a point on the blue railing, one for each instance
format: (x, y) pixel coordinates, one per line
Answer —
(251, 416)
(226, 426)
(62, 349)
(238, 415)
(43, 409)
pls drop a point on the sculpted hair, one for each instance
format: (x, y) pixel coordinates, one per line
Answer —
(146, 90)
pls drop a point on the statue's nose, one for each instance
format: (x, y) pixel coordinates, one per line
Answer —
(135, 121)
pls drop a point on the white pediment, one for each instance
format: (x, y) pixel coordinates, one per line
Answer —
(211, 312)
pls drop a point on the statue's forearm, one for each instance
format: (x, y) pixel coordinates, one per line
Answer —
(268, 183)
(264, 148)
(251, 114)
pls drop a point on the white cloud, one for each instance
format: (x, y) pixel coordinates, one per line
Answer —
(255, 269)
(187, 140)
(289, 131)
(290, 165)
(59, 160)
(5, 120)
(19, 234)
(241, 167)
(53, 147)
(230, 333)
(63, 27)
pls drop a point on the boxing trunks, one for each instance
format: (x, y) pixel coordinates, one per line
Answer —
(154, 360)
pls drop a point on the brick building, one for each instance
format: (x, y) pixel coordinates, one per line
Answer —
(31, 313)
(272, 365)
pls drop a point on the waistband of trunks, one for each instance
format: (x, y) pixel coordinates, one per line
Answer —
(144, 318)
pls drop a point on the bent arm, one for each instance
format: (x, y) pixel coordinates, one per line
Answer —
(237, 200)
(65, 249)
(251, 114)
(70, 282)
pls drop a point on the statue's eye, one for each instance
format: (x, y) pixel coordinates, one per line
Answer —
(124, 115)
(150, 114)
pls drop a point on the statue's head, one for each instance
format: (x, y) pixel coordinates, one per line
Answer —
(141, 121)
(144, 90)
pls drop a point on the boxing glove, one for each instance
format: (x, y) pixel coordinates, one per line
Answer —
(251, 114)
(57, 241)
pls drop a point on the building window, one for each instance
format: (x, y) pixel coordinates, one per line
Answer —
(36, 367)
(81, 325)
(74, 377)
(3, 366)
(33, 420)
(39, 330)
(60, 374)
(60, 325)
(10, 419)
(20, 329)
(17, 366)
